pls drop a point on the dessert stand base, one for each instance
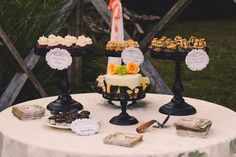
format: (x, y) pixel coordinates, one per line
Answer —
(182, 109)
(58, 105)
(117, 103)
(123, 119)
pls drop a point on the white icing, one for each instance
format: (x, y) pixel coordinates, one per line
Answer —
(52, 42)
(73, 39)
(67, 43)
(83, 41)
(132, 81)
(59, 39)
(43, 40)
(85, 127)
(51, 36)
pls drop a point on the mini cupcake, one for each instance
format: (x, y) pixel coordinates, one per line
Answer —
(67, 44)
(59, 40)
(41, 46)
(52, 43)
(83, 42)
(73, 39)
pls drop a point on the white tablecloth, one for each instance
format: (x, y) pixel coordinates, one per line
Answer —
(35, 139)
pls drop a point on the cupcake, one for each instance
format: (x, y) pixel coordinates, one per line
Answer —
(52, 43)
(73, 39)
(83, 42)
(41, 46)
(67, 44)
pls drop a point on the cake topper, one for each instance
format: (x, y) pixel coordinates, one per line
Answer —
(59, 59)
(132, 55)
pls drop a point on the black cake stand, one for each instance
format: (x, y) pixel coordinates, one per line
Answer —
(64, 102)
(177, 106)
(123, 118)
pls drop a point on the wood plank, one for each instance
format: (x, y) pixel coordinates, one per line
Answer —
(159, 28)
(19, 79)
(147, 68)
(77, 26)
(17, 57)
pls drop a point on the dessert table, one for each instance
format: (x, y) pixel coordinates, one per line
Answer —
(35, 139)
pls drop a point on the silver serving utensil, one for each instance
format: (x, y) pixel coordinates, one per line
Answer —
(162, 125)
(142, 128)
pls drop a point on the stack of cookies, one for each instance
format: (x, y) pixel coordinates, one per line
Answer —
(66, 118)
(28, 112)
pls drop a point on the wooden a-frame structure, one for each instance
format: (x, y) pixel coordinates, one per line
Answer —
(11, 92)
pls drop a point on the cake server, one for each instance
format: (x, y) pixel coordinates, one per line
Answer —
(142, 128)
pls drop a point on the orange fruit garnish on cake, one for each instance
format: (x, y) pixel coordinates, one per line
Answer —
(132, 68)
(112, 68)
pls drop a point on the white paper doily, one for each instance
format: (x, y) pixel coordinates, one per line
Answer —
(197, 60)
(132, 54)
(59, 59)
(85, 127)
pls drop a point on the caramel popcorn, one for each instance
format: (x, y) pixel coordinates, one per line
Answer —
(177, 43)
(171, 45)
(199, 43)
(115, 45)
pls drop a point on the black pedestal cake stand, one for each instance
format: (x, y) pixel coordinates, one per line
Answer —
(123, 118)
(64, 102)
(177, 106)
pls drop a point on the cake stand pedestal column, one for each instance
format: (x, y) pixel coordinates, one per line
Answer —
(123, 118)
(64, 101)
(178, 106)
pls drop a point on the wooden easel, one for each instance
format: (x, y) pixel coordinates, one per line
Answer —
(26, 65)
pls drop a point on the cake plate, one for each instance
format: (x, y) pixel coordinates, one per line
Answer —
(123, 118)
(177, 106)
(64, 102)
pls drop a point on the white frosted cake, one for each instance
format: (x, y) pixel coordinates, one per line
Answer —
(123, 80)
(130, 80)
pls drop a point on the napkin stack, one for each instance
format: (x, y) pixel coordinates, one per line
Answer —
(28, 112)
(193, 127)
